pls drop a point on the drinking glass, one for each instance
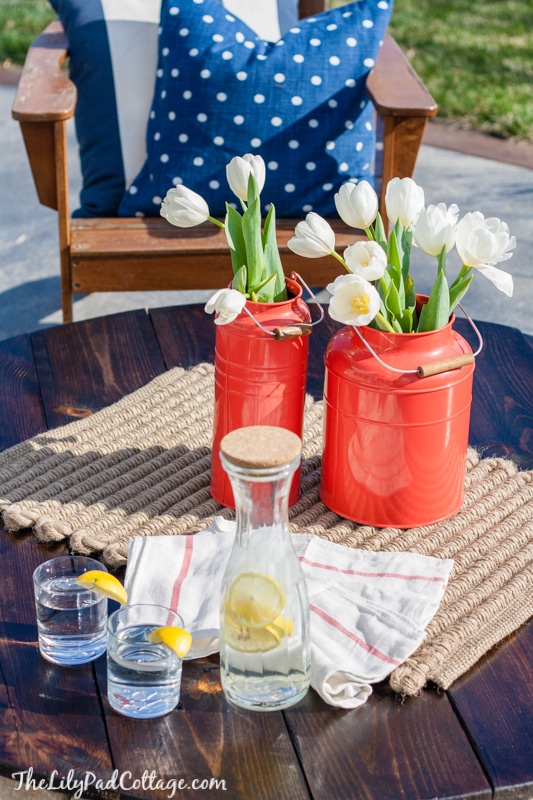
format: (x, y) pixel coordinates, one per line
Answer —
(71, 619)
(143, 676)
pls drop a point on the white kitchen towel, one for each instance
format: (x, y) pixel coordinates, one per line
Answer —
(369, 610)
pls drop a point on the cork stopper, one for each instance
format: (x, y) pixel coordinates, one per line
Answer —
(260, 447)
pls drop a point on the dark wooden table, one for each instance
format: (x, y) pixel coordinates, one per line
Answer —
(473, 741)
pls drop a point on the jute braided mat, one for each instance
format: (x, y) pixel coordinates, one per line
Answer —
(142, 466)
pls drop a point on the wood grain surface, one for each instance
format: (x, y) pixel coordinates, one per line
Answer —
(474, 741)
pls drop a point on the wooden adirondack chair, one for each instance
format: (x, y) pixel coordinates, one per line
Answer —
(142, 254)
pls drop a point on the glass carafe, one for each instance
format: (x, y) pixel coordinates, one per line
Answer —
(265, 654)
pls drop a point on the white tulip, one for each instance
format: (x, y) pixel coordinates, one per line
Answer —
(314, 237)
(354, 301)
(404, 199)
(435, 228)
(238, 173)
(367, 259)
(339, 283)
(481, 243)
(184, 208)
(357, 204)
(227, 303)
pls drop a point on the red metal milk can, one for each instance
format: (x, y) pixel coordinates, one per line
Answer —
(395, 442)
(260, 376)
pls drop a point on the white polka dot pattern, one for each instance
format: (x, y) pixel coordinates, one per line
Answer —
(300, 102)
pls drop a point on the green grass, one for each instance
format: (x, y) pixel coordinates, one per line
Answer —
(20, 22)
(476, 59)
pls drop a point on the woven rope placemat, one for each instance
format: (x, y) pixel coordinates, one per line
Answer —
(141, 467)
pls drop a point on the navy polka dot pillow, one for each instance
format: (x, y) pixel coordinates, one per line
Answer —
(300, 102)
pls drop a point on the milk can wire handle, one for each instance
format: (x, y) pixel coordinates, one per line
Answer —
(433, 367)
(299, 328)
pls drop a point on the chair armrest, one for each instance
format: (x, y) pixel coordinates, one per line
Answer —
(395, 88)
(45, 92)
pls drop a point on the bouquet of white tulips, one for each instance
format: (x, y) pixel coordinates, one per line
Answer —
(378, 289)
(257, 271)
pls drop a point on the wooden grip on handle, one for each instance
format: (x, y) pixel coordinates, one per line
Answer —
(292, 331)
(445, 364)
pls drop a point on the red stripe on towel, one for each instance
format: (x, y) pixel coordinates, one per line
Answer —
(184, 571)
(398, 575)
(336, 624)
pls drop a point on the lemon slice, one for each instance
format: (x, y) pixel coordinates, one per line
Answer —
(256, 599)
(248, 640)
(103, 583)
(175, 638)
(284, 625)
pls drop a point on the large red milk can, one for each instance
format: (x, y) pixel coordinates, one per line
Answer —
(260, 379)
(395, 442)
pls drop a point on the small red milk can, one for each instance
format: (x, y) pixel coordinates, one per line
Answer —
(260, 376)
(395, 442)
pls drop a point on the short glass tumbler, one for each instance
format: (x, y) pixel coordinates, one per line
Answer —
(143, 677)
(71, 619)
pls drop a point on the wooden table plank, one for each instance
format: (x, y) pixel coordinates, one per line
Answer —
(495, 702)
(237, 754)
(186, 335)
(88, 365)
(502, 409)
(21, 410)
(389, 748)
(82, 368)
(53, 719)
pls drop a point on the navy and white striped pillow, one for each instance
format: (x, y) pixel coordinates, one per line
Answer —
(113, 59)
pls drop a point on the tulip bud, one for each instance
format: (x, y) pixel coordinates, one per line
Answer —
(354, 301)
(184, 208)
(481, 243)
(435, 229)
(404, 199)
(227, 303)
(314, 237)
(367, 259)
(357, 204)
(238, 172)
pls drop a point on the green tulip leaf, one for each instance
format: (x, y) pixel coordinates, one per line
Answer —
(392, 301)
(406, 321)
(235, 237)
(379, 232)
(240, 280)
(436, 312)
(459, 288)
(407, 241)
(410, 294)
(264, 292)
(272, 258)
(251, 229)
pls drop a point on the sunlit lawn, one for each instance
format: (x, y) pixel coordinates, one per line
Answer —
(475, 58)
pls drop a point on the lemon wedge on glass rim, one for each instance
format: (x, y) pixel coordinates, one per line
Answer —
(103, 583)
(255, 599)
(173, 637)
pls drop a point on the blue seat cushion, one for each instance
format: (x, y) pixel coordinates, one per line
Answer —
(113, 49)
(300, 102)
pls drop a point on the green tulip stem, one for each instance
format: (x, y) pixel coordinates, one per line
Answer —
(383, 323)
(216, 222)
(339, 258)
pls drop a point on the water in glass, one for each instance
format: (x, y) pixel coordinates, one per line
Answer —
(143, 676)
(265, 654)
(71, 619)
